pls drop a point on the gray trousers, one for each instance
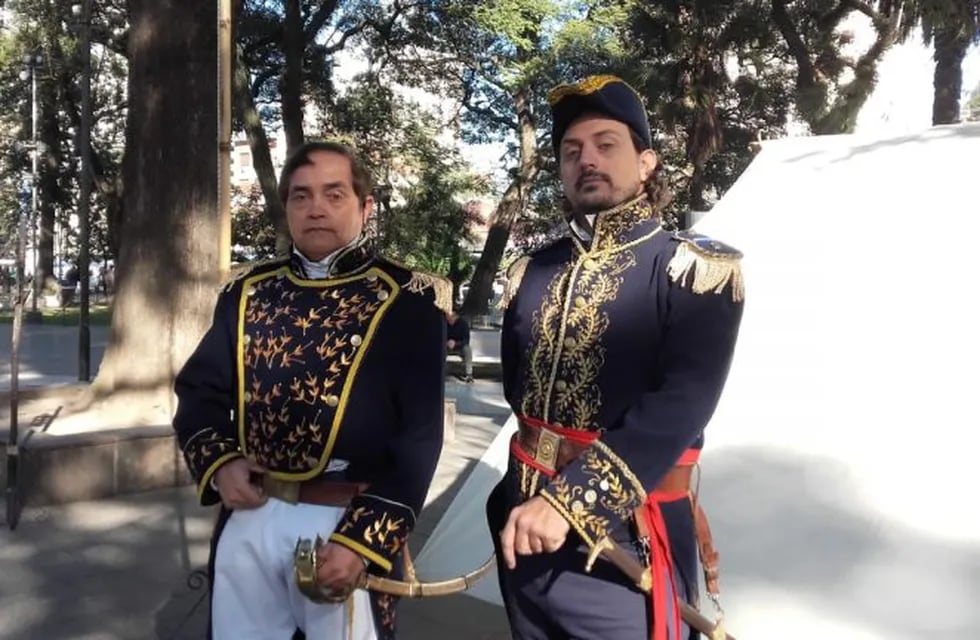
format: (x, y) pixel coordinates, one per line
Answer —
(466, 353)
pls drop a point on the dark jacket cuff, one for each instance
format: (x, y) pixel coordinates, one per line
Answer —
(596, 493)
(375, 528)
(205, 452)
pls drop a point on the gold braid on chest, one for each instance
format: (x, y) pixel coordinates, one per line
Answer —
(565, 354)
(300, 346)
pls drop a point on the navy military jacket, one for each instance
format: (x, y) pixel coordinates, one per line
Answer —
(294, 373)
(630, 335)
(459, 331)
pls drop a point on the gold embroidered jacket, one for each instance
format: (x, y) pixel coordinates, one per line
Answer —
(294, 373)
(630, 335)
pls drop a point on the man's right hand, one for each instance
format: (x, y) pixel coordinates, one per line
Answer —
(233, 482)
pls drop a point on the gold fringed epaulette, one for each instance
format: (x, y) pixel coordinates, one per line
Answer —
(706, 265)
(514, 276)
(442, 288)
(238, 272)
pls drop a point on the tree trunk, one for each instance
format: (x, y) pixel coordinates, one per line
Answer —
(169, 254)
(258, 142)
(477, 300)
(812, 94)
(111, 191)
(107, 185)
(950, 49)
(293, 46)
(49, 166)
(697, 188)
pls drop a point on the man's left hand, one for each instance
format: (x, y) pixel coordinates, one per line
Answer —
(338, 568)
(533, 527)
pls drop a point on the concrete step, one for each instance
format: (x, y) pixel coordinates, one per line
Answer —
(62, 468)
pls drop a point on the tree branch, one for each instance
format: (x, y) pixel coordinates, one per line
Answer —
(274, 37)
(104, 37)
(323, 13)
(887, 33)
(261, 79)
(830, 20)
(806, 73)
(353, 31)
(864, 8)
(490, 115)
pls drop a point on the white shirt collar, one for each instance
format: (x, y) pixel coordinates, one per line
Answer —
(585, 235)
(318, 270)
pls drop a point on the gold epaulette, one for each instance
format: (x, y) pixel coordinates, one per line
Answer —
(422, 281)
(706, 265)
(442, 288)
(514, 276)
(237, 272)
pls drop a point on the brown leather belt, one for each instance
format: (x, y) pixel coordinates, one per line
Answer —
(553, 451)
(549, 449)
(706, 549)
(319, 491)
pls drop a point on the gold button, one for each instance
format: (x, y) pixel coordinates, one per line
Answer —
(570, 343)
(250, 291)
(332, 400)
(372, 278)
(561, 385)
(246, 339)
(604, 485)
(356, 340)
(578, 507)
(591, 496)
(546, 449)
(382, 295)
(580, 302)
(248, 396)
(590, 264)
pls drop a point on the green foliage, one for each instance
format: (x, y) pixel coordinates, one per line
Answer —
(261, 35)
(49, 29)
(253, 236)
(515, 23)
(423, 184)
(710, 86)
(973, 105)
(954, 19)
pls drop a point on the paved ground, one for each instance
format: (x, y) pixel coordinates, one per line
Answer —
(48, 353)
(119, 569)
(125, 568)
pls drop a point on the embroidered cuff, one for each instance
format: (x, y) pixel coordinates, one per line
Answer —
(595, 493)
(205, 452)
(375, 528)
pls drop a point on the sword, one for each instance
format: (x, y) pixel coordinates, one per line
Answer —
(640, 575)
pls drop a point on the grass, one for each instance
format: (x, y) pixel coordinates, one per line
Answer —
(98, 315)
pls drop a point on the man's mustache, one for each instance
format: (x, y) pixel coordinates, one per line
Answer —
(591, 174)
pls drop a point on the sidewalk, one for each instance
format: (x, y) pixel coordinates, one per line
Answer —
(48, 354)
(119, 568)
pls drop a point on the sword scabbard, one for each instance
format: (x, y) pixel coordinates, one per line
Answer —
(641, 576)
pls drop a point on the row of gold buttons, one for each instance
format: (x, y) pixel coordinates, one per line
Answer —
(382, 294)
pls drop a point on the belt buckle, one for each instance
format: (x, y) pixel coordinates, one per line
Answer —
(285, 490)
(546, 451)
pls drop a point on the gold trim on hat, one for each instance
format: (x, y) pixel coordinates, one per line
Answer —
(583, 88)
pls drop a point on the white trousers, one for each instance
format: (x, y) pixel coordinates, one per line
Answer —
(255, 595)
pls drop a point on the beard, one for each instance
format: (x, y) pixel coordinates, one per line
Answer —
(595, 192)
